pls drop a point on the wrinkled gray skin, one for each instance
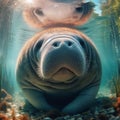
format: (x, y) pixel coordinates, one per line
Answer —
(59, 68)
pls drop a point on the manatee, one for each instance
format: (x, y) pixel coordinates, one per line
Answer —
(59, 68)
(57, 12)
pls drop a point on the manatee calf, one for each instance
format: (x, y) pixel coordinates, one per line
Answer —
(59, 68)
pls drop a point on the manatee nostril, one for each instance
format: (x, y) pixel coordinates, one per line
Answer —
(38, 11)
(69, 43)
(66, 43)
(79, 9)
(56, 44)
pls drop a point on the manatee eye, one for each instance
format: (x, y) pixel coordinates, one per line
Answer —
(39, 12)
(38, 45)
(79, 9)
(82, 43)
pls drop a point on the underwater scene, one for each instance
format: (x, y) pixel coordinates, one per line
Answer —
(59, 60)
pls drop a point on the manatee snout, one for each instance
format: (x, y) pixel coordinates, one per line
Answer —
(73, 58)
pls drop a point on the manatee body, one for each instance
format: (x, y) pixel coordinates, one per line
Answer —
(59, 68)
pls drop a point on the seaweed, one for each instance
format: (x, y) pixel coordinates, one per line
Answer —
(20, 117)
(0, 85)
(117, 105)
(6, 96)
(115, 87)
(24, 117)
(6, 99)
(3, 116)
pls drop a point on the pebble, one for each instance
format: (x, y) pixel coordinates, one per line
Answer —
(47, 118)
(72, 118)
(112, 117)
(117, 118)
(110, 110)
(99, 113)
(79, 118)
(103, 111)
(60, 118)
(67, 117)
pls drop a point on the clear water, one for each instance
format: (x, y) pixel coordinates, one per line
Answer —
(100, 28)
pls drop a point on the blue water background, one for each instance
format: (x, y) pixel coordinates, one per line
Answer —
(98, 32)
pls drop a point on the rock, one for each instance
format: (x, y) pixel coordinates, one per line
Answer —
(47, 118)
(6, 96)
(117, 118)
(67, 117)
(72, 118)
(96, 112)
(104, 102)
(53, 113)
(103, 117)
(60, 118)
(112, 117)
(4, 106)
(92, 119)
(79, 118)
(110, 110)
(103, 111)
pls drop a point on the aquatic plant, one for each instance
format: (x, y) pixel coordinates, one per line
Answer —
(20, 117)
(115, 86)
(117, 105)
(116, 9)
(6, 100)
(3, 116)
(24, 117)
(112, 7)
(0, 83)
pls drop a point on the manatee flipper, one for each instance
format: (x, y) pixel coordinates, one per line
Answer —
(83, 101)
(37, 99)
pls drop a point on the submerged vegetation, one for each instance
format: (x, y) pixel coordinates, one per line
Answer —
(115, 86)
(112, 7)
(8, 110)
